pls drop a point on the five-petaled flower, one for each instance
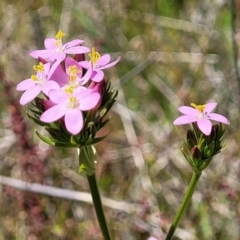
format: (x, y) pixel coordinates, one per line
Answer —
(70, 106)
(56, 51)
(97, 63)
(37, 83)
(72, 75)
(201, 114)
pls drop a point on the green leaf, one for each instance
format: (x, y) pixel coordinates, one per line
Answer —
(52, 142)
(45, 139)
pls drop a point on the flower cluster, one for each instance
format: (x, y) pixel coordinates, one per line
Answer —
(69, 93)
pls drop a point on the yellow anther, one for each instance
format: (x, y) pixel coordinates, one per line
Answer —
(73, 70)
(34, 78)
(200, 108)
(69, 89)
(39, 67)
(72, 102)
(94, 56)
(60, 35)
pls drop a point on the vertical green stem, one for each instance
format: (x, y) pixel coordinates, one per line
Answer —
(87, 158)
(98, 206)
(184, 204)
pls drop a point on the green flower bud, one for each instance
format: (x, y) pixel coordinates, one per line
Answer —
(201, 147)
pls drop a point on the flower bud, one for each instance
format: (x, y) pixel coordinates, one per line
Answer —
(201, 148)
(191, 139)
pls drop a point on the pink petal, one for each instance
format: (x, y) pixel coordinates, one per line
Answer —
(89, 102)
(54, 113)
(74, 120)
(45, 54)
(97, 75)
(85, 64)
(82, 92)
(205, 126)
(71, 62)
(102, 61)
(111, 64)
(53, 68)
(218, 118)
(46, 68)
(25, 84)
(185, 120)
(77, 50)
(60, 76)
(86, 77)
(57, 96)
(73, 43)
(188, 110)
(209, 107)
(49, 85)
(57, 56)
(49, 43)
(30, 94)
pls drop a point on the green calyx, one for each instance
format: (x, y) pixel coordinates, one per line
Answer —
(200, 148)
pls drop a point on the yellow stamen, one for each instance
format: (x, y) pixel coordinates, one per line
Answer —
(200, 108)
(34, 78)
(69, 89)
(72, 102)
(60, 35)
(94, 56)
(72, 72)
(39, 67)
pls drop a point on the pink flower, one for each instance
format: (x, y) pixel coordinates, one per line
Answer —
(56, 51)
(200, 114)
(37, 83)
(98, 63)
(72, 75)
(70, 106)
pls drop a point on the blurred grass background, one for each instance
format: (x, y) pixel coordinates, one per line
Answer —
(173, 53)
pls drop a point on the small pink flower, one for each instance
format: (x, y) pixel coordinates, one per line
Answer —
(37, 83)
(200, 114)
(98, 63)
(56, 51)
(70, 106)
(72, 75)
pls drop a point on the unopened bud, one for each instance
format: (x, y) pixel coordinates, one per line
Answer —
(191, 139)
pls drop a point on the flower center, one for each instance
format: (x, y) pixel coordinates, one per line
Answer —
(94, 56)
(72, 71)
(72, 102)
(40, 77)
(58, 41)
(200, 108)
(69, 89)
(39, 67)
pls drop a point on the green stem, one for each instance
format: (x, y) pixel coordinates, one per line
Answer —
(98, 206)
(184, 204)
